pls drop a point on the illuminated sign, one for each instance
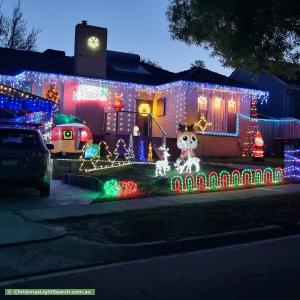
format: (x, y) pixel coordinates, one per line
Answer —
(85, 92)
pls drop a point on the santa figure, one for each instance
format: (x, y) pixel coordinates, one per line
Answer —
(258, 147)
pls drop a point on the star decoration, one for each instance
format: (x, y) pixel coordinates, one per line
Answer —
(203, 124)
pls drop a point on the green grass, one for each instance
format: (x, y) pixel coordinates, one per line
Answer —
(177, 222)
(148, 184)
(269, 161)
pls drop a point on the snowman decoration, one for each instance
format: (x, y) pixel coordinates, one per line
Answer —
(187, 142)
(258, 147)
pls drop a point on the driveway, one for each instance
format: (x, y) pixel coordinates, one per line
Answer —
(12, 199)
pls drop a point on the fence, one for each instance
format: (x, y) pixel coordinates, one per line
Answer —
(275, 132)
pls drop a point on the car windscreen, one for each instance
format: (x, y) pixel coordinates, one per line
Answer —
(14, 139)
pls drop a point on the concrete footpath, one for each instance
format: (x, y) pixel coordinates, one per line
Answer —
(17, 230)
(22, 226)
(101, 208)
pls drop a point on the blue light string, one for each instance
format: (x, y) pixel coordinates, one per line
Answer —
(28, 104)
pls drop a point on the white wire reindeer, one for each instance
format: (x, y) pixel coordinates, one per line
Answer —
(162, 166)
(187, 166)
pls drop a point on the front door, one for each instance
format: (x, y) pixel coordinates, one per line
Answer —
(143, 107)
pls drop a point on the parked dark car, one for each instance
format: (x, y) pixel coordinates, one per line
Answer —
(25, 159)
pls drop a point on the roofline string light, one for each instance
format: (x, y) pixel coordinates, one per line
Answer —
(281, 120)
(40, 76)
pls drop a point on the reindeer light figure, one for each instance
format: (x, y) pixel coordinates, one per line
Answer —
(187, 166)
(187, 142)
(162, 166)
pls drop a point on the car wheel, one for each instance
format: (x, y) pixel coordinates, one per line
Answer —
(44, 190)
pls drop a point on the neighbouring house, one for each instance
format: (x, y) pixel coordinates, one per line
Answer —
(87, 85)
(279, 120)
(284, 93)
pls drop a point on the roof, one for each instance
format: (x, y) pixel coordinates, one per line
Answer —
(293, 80)
(13, 93)
(17, 103)
(291, 77)
(204, 75)
(121, 66)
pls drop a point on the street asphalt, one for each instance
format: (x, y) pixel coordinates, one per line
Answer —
(29, 247)
(261, 270)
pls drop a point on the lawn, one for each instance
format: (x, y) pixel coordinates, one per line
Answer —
(147, 184)
(269, 161)
(177, 222)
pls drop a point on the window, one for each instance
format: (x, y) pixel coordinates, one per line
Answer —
(202, 106)
(218, 113)
(231, 115)
(161, 107)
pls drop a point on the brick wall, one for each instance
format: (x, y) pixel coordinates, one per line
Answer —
(218, 146)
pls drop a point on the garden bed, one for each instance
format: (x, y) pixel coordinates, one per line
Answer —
(138, 180)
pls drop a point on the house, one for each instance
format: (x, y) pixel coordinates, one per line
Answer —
(284, 98)
(87, 85)
(279, 121)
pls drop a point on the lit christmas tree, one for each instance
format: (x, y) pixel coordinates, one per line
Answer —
(251, 130)
(142, 150)
(150, 152)
(88, 157)
(121, 150)
(104, 154)
(131, 155)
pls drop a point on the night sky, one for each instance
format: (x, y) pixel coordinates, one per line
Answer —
(138, 26)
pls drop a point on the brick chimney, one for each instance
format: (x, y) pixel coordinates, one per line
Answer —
(90, 50)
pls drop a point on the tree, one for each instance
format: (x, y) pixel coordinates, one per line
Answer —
(14, 33)
(151, 62)
(121, 150)
(255, 36)
(142, 150)
(198, 63)
(104, 152)
(150, 152)
(131, 154)
(88, 158)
